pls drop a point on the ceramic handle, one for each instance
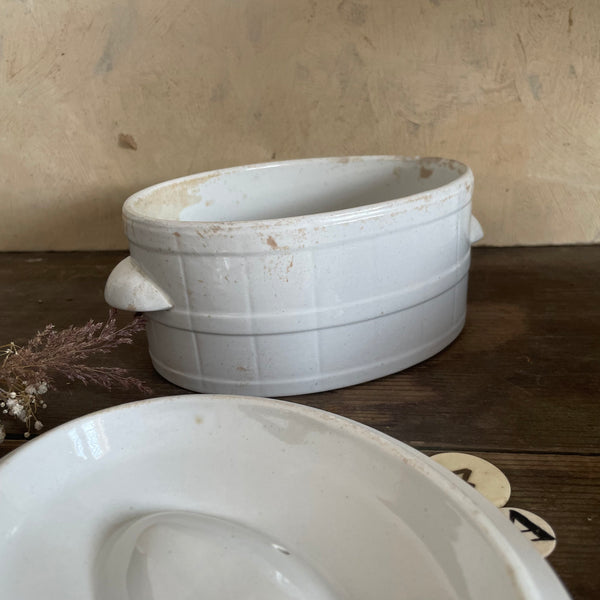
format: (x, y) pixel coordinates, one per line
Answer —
(475, 230)
(129, 288)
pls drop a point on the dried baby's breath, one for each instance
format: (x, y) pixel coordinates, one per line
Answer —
(28, 372)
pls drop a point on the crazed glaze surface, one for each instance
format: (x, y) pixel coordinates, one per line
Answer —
(337, 509)
(300, 276)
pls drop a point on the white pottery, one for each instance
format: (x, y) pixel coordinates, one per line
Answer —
(220, 498)
(299, 276)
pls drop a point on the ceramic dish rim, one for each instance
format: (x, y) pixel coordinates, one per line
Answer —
(345, 215)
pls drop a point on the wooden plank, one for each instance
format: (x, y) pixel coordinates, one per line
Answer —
(9, 445)
(525, 372)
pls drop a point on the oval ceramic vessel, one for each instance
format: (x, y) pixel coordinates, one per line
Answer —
(299, 276)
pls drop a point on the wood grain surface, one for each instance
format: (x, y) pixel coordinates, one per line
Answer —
(519, 386)
(100, 99)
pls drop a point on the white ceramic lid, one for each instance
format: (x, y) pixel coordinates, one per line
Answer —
(204, 496)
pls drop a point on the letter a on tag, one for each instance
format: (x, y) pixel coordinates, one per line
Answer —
(480, 474)
(465, 475)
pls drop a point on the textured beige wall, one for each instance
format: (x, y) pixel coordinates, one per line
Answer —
(512, 87)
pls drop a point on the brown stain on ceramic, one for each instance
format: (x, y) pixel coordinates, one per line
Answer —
(424, 172)
(199, 420)
(207, 177)
(176, 234)
(349, 159)
(166, 202)
(398, 171)
(272, 242)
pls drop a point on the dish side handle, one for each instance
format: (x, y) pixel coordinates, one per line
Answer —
(129, 287)
(475, 230)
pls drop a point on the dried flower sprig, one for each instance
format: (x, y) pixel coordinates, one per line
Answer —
(28, 372)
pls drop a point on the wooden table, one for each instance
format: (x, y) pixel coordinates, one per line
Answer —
(520, 386)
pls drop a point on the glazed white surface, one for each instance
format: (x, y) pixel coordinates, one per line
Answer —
(365, 515)
(296, 277)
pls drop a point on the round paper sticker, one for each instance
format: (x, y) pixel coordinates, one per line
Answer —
(480, 474)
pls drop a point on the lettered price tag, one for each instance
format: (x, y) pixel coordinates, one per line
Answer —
(534, 528)
(480, 474)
